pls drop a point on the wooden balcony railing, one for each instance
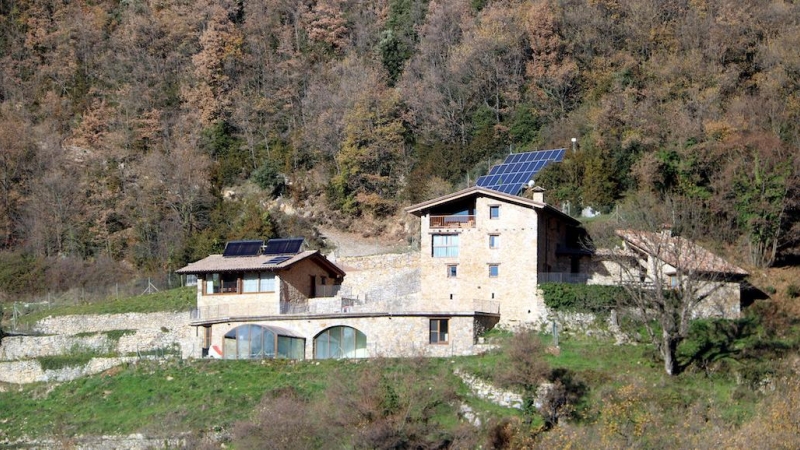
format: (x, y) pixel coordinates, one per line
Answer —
(458, 221)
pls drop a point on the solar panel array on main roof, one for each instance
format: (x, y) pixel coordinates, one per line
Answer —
(242, 248)
(518, 168)
(283, 246)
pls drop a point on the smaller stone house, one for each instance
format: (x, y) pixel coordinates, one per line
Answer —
(275, 301)
(659, 260)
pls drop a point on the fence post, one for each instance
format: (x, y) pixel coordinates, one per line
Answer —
(555, 334)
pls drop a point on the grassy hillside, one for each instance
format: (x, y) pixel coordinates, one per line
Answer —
(621, 388)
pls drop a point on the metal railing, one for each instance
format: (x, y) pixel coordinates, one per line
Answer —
(563, 277)
(452, 221)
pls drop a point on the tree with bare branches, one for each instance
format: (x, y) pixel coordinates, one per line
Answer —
(669, 279)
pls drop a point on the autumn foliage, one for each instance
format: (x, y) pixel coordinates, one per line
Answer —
(123, 124)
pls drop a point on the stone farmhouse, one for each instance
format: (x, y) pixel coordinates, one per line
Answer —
(480, 245)
(659, 260)
(483, 254)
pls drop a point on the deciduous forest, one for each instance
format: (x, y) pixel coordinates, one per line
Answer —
(124, 123)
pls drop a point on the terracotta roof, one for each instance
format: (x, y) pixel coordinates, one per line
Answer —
(678, 252)
(616, 252)
(419, 208)
(219, 263)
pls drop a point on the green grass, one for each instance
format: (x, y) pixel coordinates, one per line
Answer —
(605, 367)
(179, 299)
(115, 335)
(155, 397)
(162, 398)
(56, 362)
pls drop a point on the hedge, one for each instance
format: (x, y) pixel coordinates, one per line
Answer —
(589, 298)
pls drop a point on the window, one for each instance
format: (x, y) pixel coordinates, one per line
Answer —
(674, 282)
(452, 271)
(250, 282)
(212, 283)
(439, 331)
(445, 246)
(267, 282)
(224, 283)
(494, 241)
(494, 212)
(340, 342)
(258, 342)
(494, 270)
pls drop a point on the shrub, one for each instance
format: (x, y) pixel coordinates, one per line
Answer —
(284, 420)
(793, 291)
(268, 178)
(115, 335)
(586, 298)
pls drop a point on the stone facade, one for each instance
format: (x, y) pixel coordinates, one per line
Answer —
(503, 242)
(405, 335)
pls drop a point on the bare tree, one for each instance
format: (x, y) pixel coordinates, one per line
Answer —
(670, 280)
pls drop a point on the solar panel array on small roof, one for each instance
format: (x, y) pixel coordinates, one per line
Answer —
(242, 248)
(283, 246)
(518, 168)
(278, 259)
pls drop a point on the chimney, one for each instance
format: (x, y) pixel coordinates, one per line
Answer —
(538, 194)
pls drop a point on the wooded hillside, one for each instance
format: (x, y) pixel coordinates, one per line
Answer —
(122, 122)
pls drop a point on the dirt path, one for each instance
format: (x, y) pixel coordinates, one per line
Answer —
(353, 244)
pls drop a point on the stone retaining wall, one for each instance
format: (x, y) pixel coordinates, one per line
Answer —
(490, 393)
(381, 277)
(107, 322)
(30, 371)
(153, 331)
(28, 347)
(136, 441)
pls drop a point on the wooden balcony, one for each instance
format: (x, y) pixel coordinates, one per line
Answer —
(459, 221)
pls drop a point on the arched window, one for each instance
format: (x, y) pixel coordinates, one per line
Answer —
(340, 342)
(259, 342)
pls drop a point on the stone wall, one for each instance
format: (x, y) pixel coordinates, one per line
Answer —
(29, 347)
(30, 371)
(107, 322)
(153, 331)
(381, 277)
(490, 393)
